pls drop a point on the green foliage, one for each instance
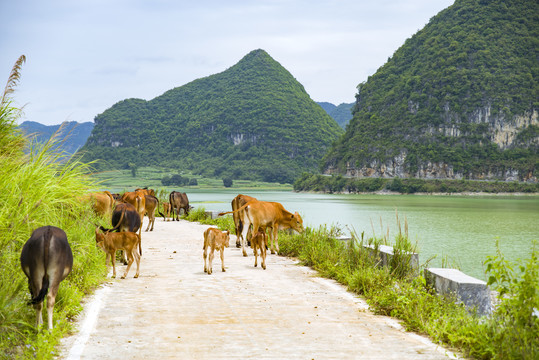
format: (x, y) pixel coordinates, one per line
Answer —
(38, 189)
(252, 121)
(339, 184)
(223, 222)
(517, 315)
(178, 180)
(227, 182)
(439, 97)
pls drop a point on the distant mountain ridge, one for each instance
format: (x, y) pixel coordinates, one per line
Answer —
(251, 121)
(71, 137)
(341, 113)
(459, 100)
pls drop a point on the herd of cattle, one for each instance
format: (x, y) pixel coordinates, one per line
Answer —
(46, 258)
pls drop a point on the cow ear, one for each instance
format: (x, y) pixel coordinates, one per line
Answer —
(227, 232)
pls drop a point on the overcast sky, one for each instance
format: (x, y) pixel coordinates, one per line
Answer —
(83, 56)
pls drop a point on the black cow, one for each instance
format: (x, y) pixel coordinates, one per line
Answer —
(46, 260)
(178, 200)
(125, 218)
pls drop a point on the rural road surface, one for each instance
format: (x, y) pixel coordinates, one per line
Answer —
(176, 311)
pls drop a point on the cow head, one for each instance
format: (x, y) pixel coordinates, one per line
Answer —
(99, 238)
(227, 238)
(296, 222)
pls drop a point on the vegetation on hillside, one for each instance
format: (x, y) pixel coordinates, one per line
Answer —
(342, 113)
(340, 184)
(443, 95)
(39, 189)
(252, 121)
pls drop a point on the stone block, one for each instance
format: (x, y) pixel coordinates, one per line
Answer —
(472, 292)
(386, 255)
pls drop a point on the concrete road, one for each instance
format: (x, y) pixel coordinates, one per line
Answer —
(176, 311)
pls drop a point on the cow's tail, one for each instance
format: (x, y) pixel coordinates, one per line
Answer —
(117, 224)
(45, 283)
(235, 211)
(159, 212)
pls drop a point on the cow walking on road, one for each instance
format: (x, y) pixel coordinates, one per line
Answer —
(46, 260)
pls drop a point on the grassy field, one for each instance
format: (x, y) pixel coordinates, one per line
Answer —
(123, 180)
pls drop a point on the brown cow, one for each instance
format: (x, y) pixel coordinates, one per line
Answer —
(178, 200)
(237, 203)
(267, 214)
(152, 204)
(102, 202)
(146, 191)
(110, 242)
(166, 210)
(214, 239)
(46, 260)
(260, 240)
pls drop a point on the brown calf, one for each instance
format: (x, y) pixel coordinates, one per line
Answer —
(260, 241)
(152, 204)
(109, 242)
(166, 210)
(214, 239)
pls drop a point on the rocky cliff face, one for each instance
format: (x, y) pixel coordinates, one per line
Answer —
(456, 100)
(504, 133)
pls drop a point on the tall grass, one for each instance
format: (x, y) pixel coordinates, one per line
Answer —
(40, 188)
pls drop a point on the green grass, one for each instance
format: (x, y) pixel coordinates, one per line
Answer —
(123, 180)
(38, 189)
(47, 192)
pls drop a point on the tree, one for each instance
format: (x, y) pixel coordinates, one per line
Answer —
(227, 182)
(134, 169)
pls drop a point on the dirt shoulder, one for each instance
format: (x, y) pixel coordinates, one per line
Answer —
(176, 311)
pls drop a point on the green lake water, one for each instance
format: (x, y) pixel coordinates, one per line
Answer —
(461, 229)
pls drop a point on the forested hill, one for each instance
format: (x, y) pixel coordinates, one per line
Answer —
(459, 99)
(341, 113)
(254, 120)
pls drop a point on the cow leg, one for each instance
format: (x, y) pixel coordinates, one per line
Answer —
(149, 223)
(51, 300)
(255, 253)
(137, 259)
(273, 240)
(210, 261)
(239, 230)
(205, 255)
(130, 262)
(39, 318)
(153, 221)
(243, 237)
(223, 259)
(113, 260)
(263, 251)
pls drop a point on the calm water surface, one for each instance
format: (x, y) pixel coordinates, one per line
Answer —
(462, 229)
